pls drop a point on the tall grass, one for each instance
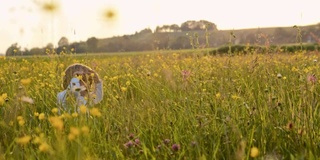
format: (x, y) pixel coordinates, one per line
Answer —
(165, 106)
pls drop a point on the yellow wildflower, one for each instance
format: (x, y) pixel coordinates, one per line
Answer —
(123, 89)
(83, 109)
(21, 122)
(79, 77)
(1, 101)
(4, 96)
(19, 118)
(37, 129)
(42, 116)
(85, 130)
(75, 131)
(95, 112)
(235, 97)
(71, 136)
(36, 114)
(23, 140)
(56, 122)
(25, 82)
(54, 110)
(44, 147)
(41, 135)
(61, 65)
(218, 95)
(294, 69)
(254, 152)
(74, 115)
(36, 140)
(66, 115)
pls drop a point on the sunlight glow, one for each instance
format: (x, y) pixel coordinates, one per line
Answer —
(27, 24)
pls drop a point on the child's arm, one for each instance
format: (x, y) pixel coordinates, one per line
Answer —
(98, 92)
(61, 99)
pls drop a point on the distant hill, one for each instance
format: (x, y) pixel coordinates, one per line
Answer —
(184, 39)
(190, 34)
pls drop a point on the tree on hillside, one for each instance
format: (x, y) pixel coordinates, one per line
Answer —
(62, 45)
(79, 47)
(13, 50)
(162, 40)
(145, 31)
(209, 25)
(168, 28)
(175, 28)
(198, 25)
(49, 46)
(92, 44)
(63, 42)
(36, 51)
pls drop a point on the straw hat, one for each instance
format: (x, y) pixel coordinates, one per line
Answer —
(80, 69)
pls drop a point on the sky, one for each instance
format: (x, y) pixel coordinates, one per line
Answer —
(27, 23)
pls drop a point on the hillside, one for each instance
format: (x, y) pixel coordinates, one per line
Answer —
(216, 38)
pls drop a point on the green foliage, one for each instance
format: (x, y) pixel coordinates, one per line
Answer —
(297, 48)
(246, 49)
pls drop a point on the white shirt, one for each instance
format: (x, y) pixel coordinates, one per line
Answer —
(74, 89)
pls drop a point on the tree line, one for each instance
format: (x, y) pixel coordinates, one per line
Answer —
(190, 34)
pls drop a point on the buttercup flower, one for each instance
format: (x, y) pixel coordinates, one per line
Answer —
(23, 140)
(95, 112)
(56, 122)
(85, 130)
(41, 116)
(44, 147)
(83, 109)
(75, 131)
(254, 152)
(54, 110)
(26, 81)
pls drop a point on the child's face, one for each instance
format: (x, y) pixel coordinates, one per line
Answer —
(82, 82)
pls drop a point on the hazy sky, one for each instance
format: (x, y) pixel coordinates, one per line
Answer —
(28, 24)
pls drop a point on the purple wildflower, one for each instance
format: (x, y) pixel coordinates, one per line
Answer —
(137, 141)
(185, 74)
(128, 144)
(312, 79)
(175, 147)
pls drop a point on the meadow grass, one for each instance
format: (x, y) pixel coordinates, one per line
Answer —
(171, 105)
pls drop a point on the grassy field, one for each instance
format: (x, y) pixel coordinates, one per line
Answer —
(169, 105)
